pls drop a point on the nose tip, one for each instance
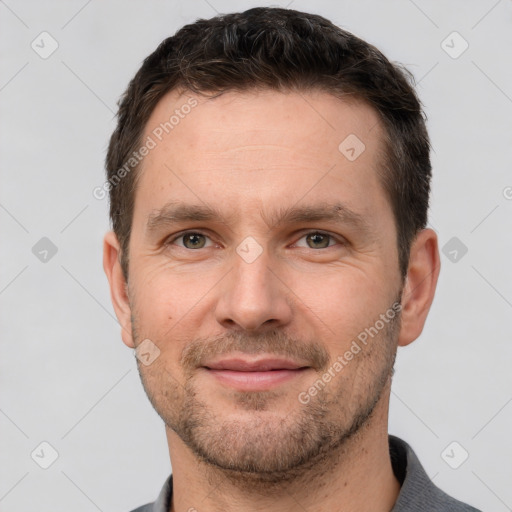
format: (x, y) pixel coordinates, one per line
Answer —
(252, 298)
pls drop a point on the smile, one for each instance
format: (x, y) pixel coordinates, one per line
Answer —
(246, 375)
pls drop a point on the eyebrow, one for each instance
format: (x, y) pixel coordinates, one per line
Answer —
(337, 212)
(175, 212)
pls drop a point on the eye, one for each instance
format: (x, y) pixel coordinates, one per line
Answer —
(317, 240)
(190, 240)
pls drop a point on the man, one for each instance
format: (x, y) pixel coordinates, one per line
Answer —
(269, 181)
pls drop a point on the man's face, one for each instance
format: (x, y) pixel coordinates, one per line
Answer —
(251, 307)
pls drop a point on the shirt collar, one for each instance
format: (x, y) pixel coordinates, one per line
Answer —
(416, 486)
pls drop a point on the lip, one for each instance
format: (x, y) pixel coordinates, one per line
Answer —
(258, 365)
(255, 375)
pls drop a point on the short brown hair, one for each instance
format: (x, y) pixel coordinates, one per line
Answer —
(282, 50)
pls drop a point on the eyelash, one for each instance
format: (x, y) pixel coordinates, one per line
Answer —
(193, 232)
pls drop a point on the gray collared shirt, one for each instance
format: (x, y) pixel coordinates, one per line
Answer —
(417, 493)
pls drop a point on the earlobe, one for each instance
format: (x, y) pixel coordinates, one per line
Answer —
(118, 288)
(420, 285)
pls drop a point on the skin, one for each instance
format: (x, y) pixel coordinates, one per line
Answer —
(252, 155)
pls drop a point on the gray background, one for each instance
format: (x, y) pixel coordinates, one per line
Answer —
(65, 376)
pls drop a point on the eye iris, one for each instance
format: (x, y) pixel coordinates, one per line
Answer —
(319, 240)
(195, 240)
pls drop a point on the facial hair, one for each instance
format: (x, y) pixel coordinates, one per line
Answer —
(269, 445)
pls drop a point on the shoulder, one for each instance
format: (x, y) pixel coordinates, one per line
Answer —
(145, 508)
(418, 493)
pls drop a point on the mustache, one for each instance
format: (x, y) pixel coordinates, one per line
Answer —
(196, 353)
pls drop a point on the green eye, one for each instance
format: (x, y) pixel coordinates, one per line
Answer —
(193, 240)
(318, 240)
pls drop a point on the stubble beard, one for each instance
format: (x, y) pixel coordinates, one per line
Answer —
(268, 447)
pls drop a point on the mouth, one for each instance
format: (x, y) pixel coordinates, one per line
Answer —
(255, 375)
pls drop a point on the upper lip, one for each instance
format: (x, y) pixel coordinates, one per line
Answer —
(259, 365)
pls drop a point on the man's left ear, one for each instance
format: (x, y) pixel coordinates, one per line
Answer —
(420, 285)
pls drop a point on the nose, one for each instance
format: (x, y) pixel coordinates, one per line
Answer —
(253, 296)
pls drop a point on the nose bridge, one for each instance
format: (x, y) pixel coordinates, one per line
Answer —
(253, 295)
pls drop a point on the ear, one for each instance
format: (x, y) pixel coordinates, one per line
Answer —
(118, 286)
(420, 285)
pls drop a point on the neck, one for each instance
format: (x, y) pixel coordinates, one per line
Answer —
(356, 476)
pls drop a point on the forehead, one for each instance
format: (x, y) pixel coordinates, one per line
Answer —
(243, 147)
(260, 116)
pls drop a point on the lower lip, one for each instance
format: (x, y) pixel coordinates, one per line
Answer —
(255, 381)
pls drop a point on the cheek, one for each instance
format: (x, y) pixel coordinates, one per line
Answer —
(342, 303)
(169, 309)
(165, 296)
